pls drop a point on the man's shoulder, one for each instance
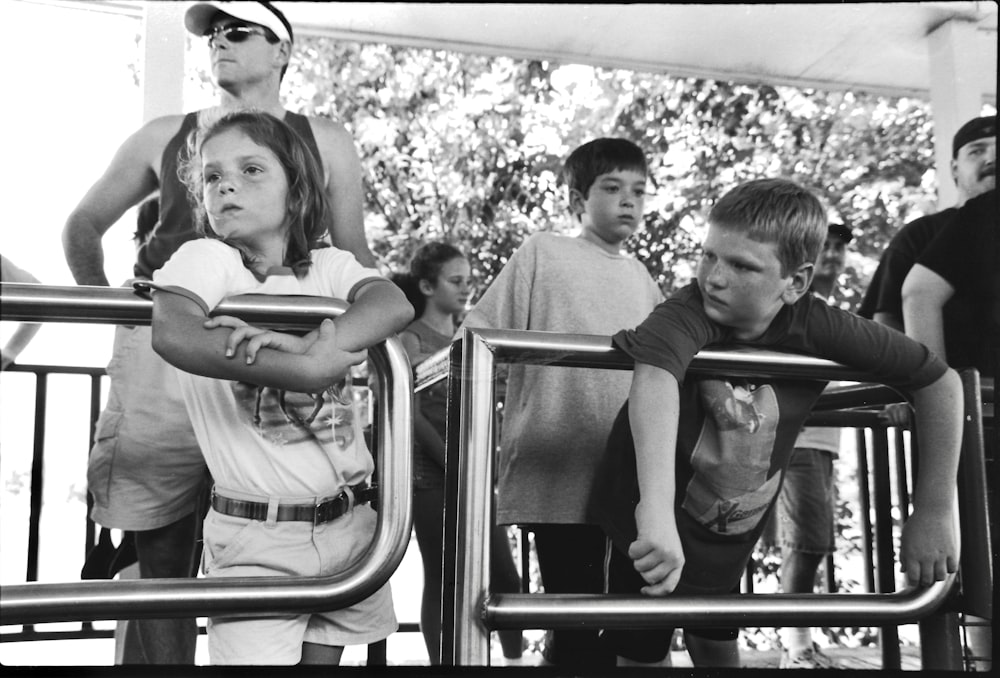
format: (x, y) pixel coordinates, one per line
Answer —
(163, 128)
(327, 131)
(922, 228)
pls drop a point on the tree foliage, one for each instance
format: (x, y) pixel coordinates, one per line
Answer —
(469, 148)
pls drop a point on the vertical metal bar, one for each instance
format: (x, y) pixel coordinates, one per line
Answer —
(886, 560)
(940, 643)
(903, 475)
(475, 491)
(864, 498)
(525, 560)
(90, 538)
(377, 654)
(450, 540)
(37, 483)
(977, 545)
(37, 476)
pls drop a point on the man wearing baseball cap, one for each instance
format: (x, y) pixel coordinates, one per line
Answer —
(145, 471)
(973, 169)
(959, 322)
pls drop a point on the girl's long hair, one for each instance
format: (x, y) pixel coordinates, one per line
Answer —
(426, 264)
(307, 212)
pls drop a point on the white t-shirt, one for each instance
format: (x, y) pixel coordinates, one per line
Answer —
(556, 420)
(262, 440)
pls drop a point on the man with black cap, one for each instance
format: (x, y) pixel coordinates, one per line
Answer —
(145, 472)
(973, 169)
(804, 519)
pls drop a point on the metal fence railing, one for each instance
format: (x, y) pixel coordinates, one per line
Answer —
(35, 602)
(472, 610)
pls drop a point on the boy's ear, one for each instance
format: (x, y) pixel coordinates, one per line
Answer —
(425, 287)
(799, 283)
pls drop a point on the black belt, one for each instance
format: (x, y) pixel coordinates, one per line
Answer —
(323, 511)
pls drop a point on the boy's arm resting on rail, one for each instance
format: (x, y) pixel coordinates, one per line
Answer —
(181, 338)
(931, 540)
(654, 409)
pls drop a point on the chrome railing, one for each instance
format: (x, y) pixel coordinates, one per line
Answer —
(137, 598)
(472, 611)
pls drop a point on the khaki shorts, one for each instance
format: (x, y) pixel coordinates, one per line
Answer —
(805, 505)
(145, 470)
(239, 547)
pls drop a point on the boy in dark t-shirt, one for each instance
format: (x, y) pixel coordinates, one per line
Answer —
(706, 455)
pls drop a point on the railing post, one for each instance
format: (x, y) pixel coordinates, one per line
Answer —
(889, 635)
(451, 466)
(940, 641)
(475, 495)
(864, 498)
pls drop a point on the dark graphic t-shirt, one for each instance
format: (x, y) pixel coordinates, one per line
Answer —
(735, 436)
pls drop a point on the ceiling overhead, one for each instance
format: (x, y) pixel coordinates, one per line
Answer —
(876, 47)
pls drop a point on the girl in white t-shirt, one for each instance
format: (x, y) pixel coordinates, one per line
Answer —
(279, 433)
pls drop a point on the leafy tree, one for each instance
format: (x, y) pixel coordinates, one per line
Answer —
(469, 148)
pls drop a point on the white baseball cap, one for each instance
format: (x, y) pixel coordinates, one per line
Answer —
(200, 15)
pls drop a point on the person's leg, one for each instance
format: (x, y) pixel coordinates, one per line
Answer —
(504, 578)
(711, 652)
(805, 527)
(166, 552)
(428, 513)
(146, 475)
(571, 560)
(314, 653)
(632, 647)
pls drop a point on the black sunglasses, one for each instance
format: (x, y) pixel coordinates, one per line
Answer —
(232, 33)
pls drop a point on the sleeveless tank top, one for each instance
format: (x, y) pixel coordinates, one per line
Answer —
(175, 225)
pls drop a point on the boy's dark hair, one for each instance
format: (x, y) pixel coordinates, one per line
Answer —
(307, 210)
(776, 211)
(426, 264)
(601, 156)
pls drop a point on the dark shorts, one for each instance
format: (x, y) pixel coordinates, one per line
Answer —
(652, 645)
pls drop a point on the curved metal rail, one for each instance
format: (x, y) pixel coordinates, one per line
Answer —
(476, 612)
(137, 598)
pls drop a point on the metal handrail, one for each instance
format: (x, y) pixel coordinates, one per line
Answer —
(138, 598)
(476, 612)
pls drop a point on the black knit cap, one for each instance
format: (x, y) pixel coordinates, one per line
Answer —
(977, 128)
(841, 231)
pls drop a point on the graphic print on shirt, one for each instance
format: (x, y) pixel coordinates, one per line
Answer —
(289, 418)
(729, 490)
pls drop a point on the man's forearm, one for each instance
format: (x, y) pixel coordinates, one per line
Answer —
(939, 430)
(84, 252)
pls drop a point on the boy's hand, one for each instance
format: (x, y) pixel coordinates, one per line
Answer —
(930, 547)
(657, 553)
(897, 414)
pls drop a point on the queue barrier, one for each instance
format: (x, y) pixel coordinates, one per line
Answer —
(470, 608)
(36, 602)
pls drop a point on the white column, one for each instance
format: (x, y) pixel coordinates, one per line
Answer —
(956, 92)
(163, 59)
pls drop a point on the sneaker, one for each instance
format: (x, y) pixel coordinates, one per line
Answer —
(808, 658)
